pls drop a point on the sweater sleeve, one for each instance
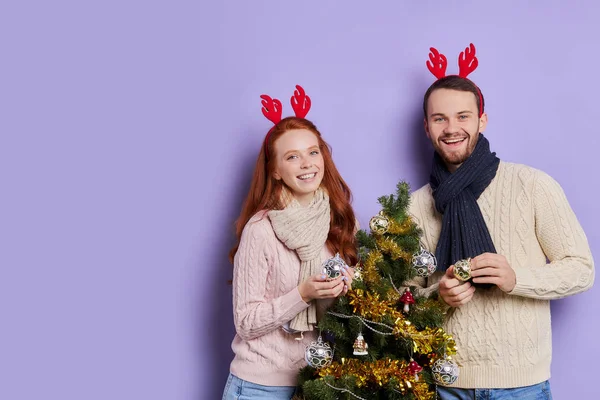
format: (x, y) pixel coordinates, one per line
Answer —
(416, 213)
(254, 315)
(571, 268)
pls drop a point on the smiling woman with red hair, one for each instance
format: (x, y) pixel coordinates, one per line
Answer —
(297, 214)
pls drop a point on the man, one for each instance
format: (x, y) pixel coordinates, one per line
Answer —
(517, 230)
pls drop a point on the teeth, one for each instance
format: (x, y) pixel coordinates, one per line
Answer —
(454, 140)
(307, 176)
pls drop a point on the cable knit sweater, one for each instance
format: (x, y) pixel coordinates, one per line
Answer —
(504, 339)
(265, 297)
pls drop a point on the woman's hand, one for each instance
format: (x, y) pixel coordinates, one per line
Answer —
(317, 287)
(347, 276)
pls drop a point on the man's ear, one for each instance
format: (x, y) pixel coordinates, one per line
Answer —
(483, 120)
(426, 127)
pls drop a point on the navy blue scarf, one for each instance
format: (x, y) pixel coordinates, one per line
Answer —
(464, 233)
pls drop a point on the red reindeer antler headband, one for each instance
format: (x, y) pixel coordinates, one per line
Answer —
(271, 109)
(467, 63)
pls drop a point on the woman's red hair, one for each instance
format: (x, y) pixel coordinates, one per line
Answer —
(265, 192)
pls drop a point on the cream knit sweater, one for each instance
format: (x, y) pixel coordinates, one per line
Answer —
(504, 340)
(265, 297)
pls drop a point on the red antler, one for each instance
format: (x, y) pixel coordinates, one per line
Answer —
(300, 102)
(467, 62)
(437, 63)
(271, 108)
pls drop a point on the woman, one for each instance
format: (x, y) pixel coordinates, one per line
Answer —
(297, 214)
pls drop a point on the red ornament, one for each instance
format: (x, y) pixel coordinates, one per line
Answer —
(414, 368)
(408, 299)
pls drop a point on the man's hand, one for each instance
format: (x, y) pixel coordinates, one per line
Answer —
(454, 292)
(493, 268)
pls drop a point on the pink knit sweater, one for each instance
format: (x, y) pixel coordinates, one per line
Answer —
(265, 297)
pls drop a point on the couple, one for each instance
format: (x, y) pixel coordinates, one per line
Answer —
(514, 222)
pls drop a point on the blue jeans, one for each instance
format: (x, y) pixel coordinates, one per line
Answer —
(541, 391)
(239, 389)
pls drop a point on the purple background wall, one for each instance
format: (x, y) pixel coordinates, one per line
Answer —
(129, 131)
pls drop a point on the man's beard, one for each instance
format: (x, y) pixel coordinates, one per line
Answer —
(453, 157)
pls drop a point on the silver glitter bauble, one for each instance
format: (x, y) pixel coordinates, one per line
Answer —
(318, 354)
(424, 263)
(332, 268)
(445, 371)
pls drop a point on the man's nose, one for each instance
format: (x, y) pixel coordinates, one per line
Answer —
(452, 127)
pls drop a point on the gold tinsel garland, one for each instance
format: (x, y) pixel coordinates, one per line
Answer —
(378, 373)
(389, 246)
(371, 308)
(370, 274)
(400, 229)
(369, 305)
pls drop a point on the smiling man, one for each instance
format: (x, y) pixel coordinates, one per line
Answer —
(452, 124)
(520, 236)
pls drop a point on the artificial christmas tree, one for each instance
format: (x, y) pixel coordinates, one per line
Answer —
(385, 338)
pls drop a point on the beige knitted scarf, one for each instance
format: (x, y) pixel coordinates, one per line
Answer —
(305, 230)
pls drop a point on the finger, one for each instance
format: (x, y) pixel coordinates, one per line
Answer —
(487, 260)
(333, 282)
(323, 278)
(463, 301)
(455, 301)
(450, 272)
(488, 279)
(462, 296)
(332, 289)
(446, 283)
(347, 282)
(459, 289)
(318, 278)
(485, 256)
(325, 294)
(347, 278)
(486, 271)
(480, 261)
(338, 290)
(327, 285)
(348, 286)
(346, 274)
